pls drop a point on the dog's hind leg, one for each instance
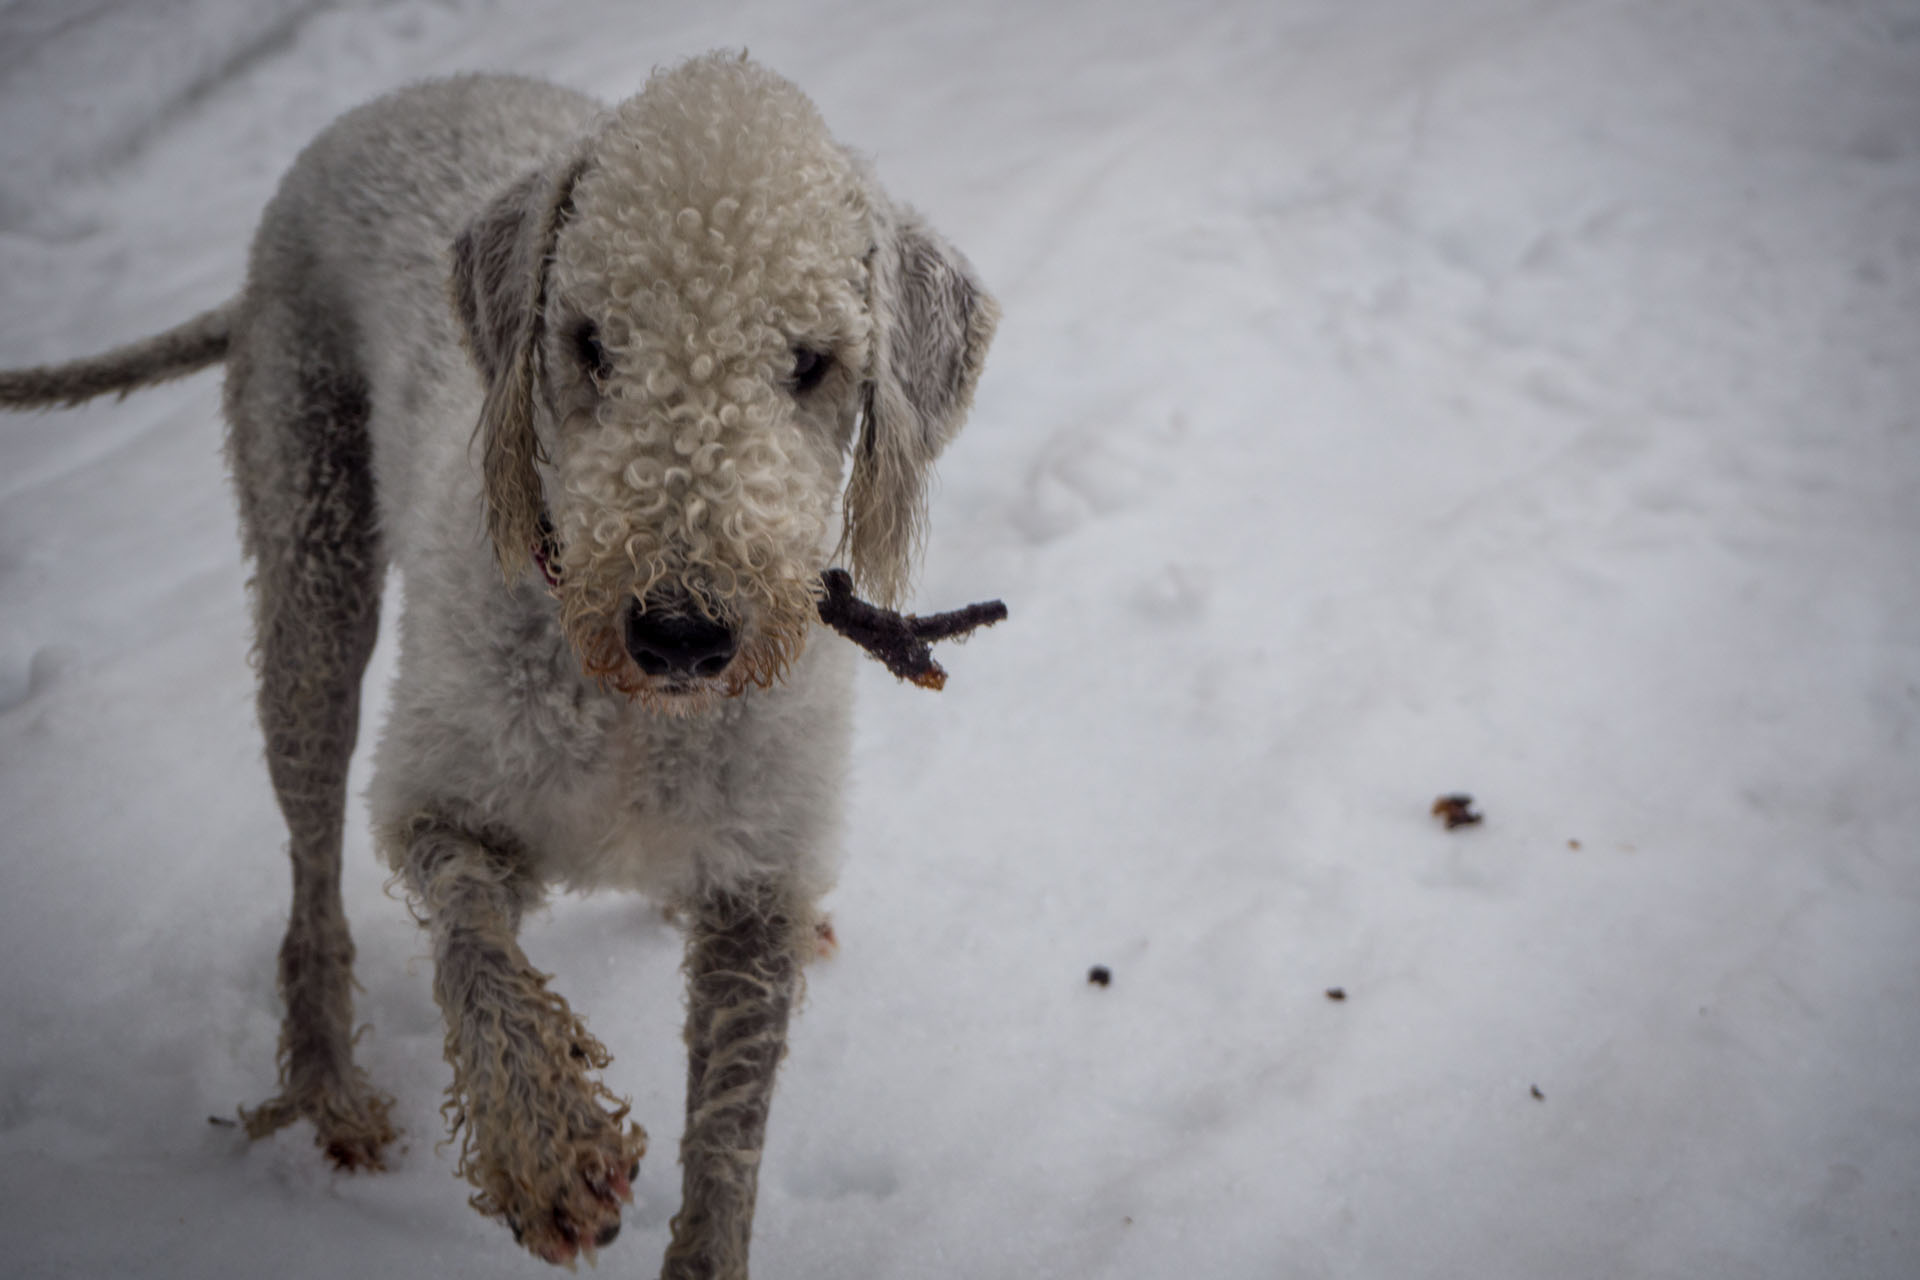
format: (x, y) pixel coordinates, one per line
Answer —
(546, 1145)
(302, 462)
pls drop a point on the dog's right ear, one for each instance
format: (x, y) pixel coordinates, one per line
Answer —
(499, 283)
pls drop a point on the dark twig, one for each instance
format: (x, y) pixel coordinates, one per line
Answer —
(903, 642)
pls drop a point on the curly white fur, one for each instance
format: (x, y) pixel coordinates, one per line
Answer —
(703, 268)
(704, 264)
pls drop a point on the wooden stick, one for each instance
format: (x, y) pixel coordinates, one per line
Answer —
(903, 642)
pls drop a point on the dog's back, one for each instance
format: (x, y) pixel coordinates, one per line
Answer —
(348, 272)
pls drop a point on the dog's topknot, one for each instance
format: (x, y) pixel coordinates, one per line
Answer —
(715, 227)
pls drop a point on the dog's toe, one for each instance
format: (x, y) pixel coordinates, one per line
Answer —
(354, 1128)
(566, 1231)
(350, 1121)
(353, 1154)
(580, 1198)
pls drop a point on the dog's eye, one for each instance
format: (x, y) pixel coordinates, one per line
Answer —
(593, 356)
(809, 368)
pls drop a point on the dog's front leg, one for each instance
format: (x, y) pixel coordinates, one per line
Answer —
(542, 1139)
(743, 967)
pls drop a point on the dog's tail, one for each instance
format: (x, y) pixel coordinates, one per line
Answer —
(179, 351)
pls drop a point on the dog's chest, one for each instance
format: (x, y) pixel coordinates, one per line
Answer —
(642, 813)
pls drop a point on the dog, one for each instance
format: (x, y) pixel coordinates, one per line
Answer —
(609, 387)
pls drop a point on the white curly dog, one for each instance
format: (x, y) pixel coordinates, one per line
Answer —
(688, 323)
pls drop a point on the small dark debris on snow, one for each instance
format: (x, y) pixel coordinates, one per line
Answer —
(1336, 993)
(1456, 810)
(223, 1122)
(1574, 845)
(1100, 975)
(1537, 1095)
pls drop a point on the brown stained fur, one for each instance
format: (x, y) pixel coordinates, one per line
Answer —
(545, 1144)
(744, 953)
(316, 596)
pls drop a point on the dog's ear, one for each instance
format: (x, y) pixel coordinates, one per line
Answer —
(932, 322)
(499, 284)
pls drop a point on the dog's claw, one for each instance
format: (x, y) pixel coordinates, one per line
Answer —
(353, 1156)
(614, 1185)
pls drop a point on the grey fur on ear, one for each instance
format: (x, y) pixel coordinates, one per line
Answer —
(933, 321)
(499, 285)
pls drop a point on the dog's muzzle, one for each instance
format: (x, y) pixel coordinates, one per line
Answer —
(666, 639)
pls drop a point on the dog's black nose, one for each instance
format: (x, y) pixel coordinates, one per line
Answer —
(666, 641)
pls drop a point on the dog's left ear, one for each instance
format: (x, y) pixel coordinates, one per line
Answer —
(932, 322)
(499, 285)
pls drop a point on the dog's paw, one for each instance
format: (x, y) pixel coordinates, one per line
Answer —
(570, 1205)
(354, 1133)
(545, 1144)
(350, 1121)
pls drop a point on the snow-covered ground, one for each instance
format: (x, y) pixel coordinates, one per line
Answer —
(1511, 396)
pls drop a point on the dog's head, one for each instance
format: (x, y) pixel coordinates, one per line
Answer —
(686, 328)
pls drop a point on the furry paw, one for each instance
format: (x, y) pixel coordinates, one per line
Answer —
(549, 1148)
(350, 1121)
(570, 1205)
(546, 1145)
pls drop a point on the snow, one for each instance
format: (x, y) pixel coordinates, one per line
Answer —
(1510, 396)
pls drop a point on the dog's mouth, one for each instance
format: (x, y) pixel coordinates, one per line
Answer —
(686, 686)
(678, 695)
(676, 645)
